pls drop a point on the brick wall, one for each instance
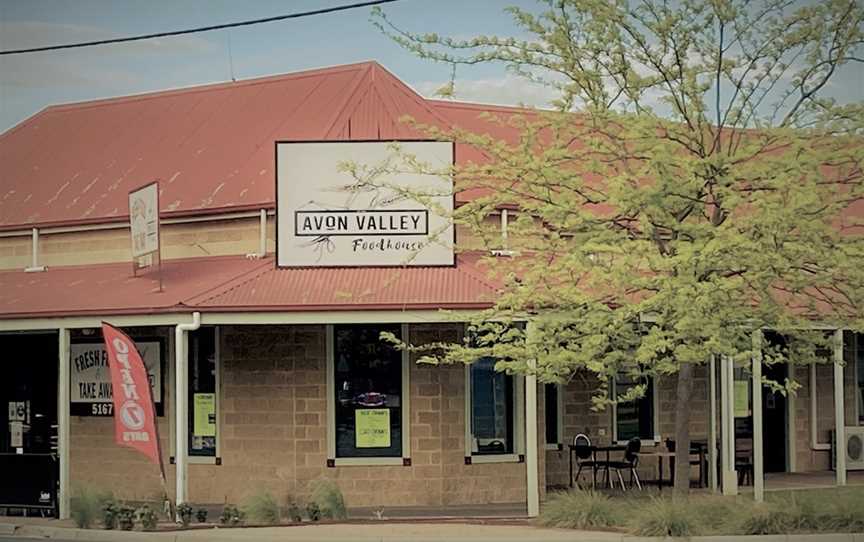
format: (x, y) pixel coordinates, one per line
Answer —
(97, 462)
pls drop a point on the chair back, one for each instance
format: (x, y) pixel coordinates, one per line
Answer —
(582, 446)
(631, 454)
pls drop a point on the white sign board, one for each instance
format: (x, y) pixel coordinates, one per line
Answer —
(90, 377)
(144, 219)
(326, 218)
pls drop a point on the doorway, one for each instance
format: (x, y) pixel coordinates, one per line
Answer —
(28, 422)
(774, 413)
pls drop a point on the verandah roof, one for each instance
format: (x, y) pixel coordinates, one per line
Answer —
(218, 284)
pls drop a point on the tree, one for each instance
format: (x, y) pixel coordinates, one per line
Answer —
(693, 185)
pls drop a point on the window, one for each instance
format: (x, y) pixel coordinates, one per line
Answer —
(635, 418)
(554, 416)
(853, 344)
(369, 385)
(493, 410)
(203, 392)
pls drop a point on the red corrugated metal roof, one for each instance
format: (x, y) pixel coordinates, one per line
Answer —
(239, 284)
(367, 288)
(210, 146)
(108, 289)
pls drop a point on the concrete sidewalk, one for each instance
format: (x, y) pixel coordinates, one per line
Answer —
(386, 531)
(376, 532)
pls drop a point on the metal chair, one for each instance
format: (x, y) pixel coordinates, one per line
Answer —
(631, 461)
(584, 457)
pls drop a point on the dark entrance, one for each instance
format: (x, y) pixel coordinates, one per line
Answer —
(28, 423)
(774, 422)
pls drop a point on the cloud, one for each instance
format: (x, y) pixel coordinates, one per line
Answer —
(109, 65)
(508, 89)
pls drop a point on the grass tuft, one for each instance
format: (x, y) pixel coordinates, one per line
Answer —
(262, 508)
(580, 510)
(666, 517)
(329, 499)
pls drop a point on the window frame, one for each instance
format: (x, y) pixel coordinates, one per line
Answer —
(655, 414)
(204, 459)
(171, 412)
(518, 454)
(332, 460)
(559, 417)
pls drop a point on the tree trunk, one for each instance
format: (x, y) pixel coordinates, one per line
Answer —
(682, 429)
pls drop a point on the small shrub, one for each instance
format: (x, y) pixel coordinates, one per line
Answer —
(313, 512)
(110, 511)
(147, 517)
(126, 517)
(231, 515)
(184, 510)
(579, 510)
(262, 508)
(86, 505)
(201, 515)
(666, 517)
(327, 495)
(295, 514)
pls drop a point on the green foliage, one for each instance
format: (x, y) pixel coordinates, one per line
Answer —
(328, 498)
(147, 517)
(695, 182)
(184, 510)
(262, 507)
(86, 505)
(580, 510)
(201, 515)
(110, 510)
(231, 515)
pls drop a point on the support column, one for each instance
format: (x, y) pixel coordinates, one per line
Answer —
(839, 410)
(712, 424)
(63, 383)
(531, 460)
(758, 459)
(727, 432)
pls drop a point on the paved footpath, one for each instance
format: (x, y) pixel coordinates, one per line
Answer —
(378, 532)
(369, 532)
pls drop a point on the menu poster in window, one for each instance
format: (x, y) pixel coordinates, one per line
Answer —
(742, 398)
(204, 405)
(90, 391)
(372, 427)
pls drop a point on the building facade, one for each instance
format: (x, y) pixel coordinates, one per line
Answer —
(283, 378)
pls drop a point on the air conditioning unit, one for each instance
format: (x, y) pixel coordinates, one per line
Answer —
(854, 448)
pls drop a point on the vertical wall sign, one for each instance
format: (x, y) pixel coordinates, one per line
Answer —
(144, 226)
(397, 216)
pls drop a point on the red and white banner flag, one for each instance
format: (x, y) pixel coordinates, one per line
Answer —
(134, 414)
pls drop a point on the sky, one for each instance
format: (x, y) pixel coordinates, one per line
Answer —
(30, 82)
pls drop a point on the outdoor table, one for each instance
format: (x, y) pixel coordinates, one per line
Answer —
(701, 452)
(594, 450)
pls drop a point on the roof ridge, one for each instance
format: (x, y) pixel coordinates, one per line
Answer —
(265, 79)
(409, 92)
(342, 109)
